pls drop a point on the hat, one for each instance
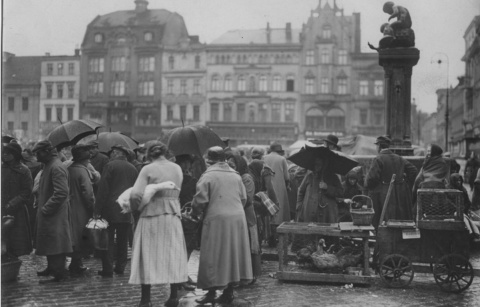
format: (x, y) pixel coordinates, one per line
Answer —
(332, 140)
(215, 154)
(42, 145)
(121, 148)
(14, 149)
(435, 150)
(257, 153)
(80, 152)
(383, 140)
(276, 147)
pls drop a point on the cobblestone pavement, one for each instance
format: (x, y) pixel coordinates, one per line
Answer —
(93, 290)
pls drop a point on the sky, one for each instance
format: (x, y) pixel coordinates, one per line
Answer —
(35, 27)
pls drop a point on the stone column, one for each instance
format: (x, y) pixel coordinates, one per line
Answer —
(398, 64)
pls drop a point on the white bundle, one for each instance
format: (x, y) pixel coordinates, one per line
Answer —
(97, 224)
(150, 190)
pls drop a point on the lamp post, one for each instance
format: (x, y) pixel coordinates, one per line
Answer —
(439, 62)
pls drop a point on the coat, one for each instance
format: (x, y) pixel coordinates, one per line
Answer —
(53, 225)
(118, 175)
(225, 248)
(82, 201)
(17, 186)
(377, 182)
(279, 166)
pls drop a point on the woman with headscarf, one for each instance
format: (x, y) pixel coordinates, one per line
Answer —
(351, 188)
(159, 254)
(16, 190)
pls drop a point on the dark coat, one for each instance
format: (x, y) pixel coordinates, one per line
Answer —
(99, 161)
(377, 182)
(82, 201)
(118, 175)
(53, 224)
(17, 186)
(188, 189)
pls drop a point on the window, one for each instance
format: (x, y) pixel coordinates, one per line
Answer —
(289, 112)
(342, 57)
(277, 83)
(169, 112)
(314, 120)
(378, 87)
(263, 86)
(71, 68)
(214, 111)
(325, 56)
(145, 88)
(10, 126)
(363, 116)
(276, 112)
(49, 69)
(95, 88)
(262, 112)
(98, 38)
(183, 86)
(251, 84)
(117, 88)
(196, 86)
(196, 113)
(183, 112)
(147, 118)
(71, 87)
(241, 84)
(60, 69)
(24, 103)
(59, 114)
(169, 86)
(59, 90)
(325, 86)
(119, 63)
(119, 116)
(227, 112)
(240, 112)
(335, 120)
(290, 84)
(251, 113)
(327, 32)
(363, 90)
(146, 64)
(342, 86)
(309, 57)
(69, 113)
(228, 84)
(48, 114)
(148, 36)
(215, 83)
(11, 103)
(49, 87)
(309, 85)
(96, 65)
(171, 62)
(377, 117)
(197, 62)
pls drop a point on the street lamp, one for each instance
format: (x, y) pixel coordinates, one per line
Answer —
(439, 62)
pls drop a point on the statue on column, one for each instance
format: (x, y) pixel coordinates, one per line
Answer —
(398, 33)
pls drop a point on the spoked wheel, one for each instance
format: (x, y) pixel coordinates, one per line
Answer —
(453, 273)
(396, 271)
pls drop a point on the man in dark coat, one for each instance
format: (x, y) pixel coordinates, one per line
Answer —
(97, 159)
(53, 226)
(378, 179)
(118, 175)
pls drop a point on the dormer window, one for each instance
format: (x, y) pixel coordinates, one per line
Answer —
(148, 36)
(98, 38)
(327, 32)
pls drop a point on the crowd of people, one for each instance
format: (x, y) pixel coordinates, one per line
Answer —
(228, 209)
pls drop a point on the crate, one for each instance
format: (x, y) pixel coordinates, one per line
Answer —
(439, 205)
(10, 270)
(362, 216)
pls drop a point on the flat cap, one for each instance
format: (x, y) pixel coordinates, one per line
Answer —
(383, 140)
(43, 145)
(215, 154)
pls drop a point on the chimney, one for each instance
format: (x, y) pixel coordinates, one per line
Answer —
(141, 6)
(288, 32)
(77, 52)
(269, 32)
(194, 39)
(47, 53)
(357, 35)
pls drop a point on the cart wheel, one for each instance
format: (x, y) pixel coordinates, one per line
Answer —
(453, 273)
(396, 271)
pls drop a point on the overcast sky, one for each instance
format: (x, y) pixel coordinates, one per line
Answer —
(34, 27)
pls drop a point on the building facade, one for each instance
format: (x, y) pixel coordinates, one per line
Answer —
(60, 91)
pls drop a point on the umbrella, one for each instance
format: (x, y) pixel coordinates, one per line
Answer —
(193, 140)
(71, 132)
(338, 162)
(108, 139)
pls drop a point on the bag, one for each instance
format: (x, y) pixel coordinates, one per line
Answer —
(271, 207)
(189, 224)
(97, 233)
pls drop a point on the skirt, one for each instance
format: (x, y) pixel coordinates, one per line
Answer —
(159, 254)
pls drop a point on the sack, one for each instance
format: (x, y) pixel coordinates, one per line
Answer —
(97, 233)
(271, 207)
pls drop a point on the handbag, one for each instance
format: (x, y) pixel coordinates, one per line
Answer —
(97, 233)
(271, 207)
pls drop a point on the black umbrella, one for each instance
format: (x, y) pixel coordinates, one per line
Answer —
(71, 132)
(108, 139)
(337, 162)
(194, 140)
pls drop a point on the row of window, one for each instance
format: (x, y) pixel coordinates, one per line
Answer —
(183, 86)
(58, 116)
(171, 62)
(11, 126)
(99, 37)
(183, 112)
(120, 88)
(263, 85)
(260, 112)
(326, 57)
(376, 117)
(60, 89)
(11, 104)
(60, 69)
(255, 59)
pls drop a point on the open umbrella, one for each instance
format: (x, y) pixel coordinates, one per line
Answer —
(338, 162)
(193, 140)
(71, 132)
(108, 139)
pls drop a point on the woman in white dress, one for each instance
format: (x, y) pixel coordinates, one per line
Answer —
(159, 254)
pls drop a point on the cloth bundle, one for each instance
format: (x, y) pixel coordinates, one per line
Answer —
(150, 190)
(268, 203)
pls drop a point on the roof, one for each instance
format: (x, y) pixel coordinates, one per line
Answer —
(242, 37)
(131, 18)
(23, 70)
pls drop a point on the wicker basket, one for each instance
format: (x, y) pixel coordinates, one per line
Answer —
(10, 270)
(364, 215)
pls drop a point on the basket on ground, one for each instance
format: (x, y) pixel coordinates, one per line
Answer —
(10, 270)
(361, 210)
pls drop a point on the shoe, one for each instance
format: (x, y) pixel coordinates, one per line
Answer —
(77, 270)
(186, 286)
(225, 298)
(58, 278)
(46, 272)
(254, 280)
(105, 274)
(191, 282)
(146, 304)
(206, 299)
(172, 302)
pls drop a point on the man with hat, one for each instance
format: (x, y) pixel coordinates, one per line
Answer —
(53, 225)
(378, 179)
(331, 142)
(97, 159)
(118, 175)
(277, 162)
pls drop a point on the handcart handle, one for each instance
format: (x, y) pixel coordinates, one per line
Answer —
(387, 199)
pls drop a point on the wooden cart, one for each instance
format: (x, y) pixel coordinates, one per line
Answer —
(334, 230)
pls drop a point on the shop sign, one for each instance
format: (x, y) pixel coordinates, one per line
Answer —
(310, 133)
